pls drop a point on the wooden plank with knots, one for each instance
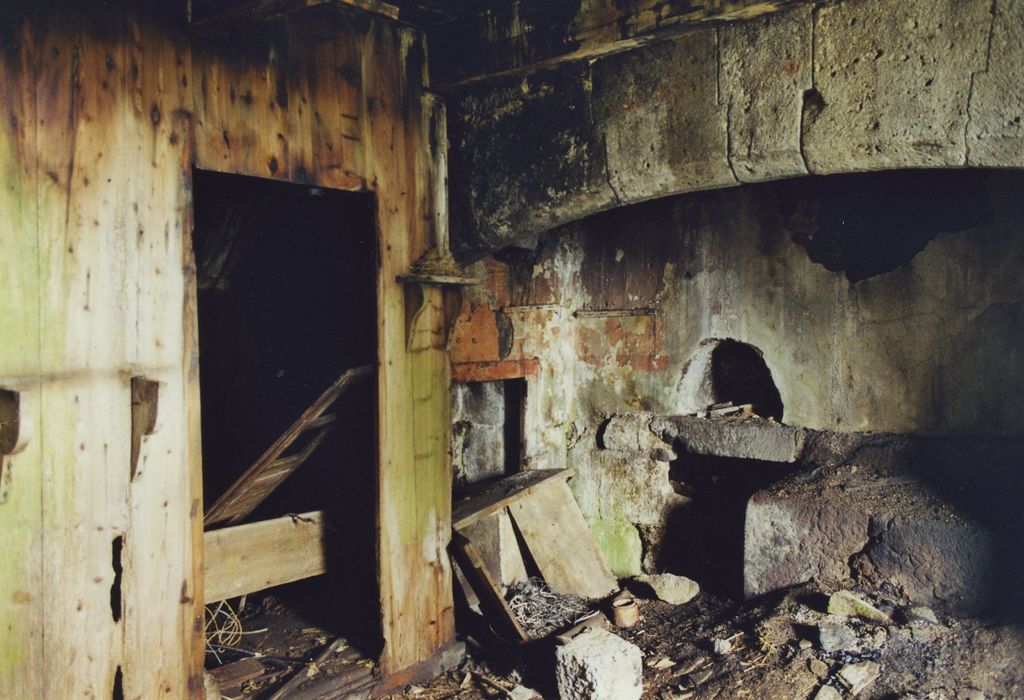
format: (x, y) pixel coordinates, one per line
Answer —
(251, 557)
(265, 10)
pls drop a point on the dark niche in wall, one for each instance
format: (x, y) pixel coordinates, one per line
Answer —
(739, 374)
(868, 224)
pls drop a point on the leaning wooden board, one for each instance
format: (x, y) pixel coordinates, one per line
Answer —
(560, 541)
(551, 524)
(271, 469)
(491, 601)
(488, 499)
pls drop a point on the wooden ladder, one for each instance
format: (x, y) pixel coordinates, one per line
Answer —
(272, 468)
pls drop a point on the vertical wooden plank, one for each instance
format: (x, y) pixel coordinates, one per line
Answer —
(21, 662)
(298, 110)
(335, 129)
(414, 475)
(162, 597)
(396, 511)
(84, 401)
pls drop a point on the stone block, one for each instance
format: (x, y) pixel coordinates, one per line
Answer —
(835, 636)
(857, 677)
(844, 523)
(995, 132)
(892, 82)
(598, 665)
(750, 438)
(524, 158)
(936, 560)
(658, 111)
(672, 589)
(621, 487)
(766, 67)
(849, 604)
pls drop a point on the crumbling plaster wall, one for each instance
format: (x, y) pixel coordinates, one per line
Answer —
(607, 312)
(830, 87)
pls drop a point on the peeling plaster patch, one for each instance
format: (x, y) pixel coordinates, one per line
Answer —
(828, 217)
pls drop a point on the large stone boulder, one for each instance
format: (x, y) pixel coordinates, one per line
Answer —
(848, 522)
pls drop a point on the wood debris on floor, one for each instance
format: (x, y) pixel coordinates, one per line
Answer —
(276, 655)
(818, 640)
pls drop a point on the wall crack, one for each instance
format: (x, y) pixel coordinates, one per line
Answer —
(728, 105)
(970, 85)
(811, 91)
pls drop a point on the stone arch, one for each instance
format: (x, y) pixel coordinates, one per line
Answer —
(850, 86)
(724, 369)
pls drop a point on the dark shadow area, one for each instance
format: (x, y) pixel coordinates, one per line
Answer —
(739, 374)
(871, 223)
(983, 479)
(704, 540)
(287, 303)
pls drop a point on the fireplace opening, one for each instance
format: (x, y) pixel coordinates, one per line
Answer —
(287, 341)
(487, 430)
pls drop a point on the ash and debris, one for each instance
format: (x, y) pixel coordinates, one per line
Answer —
(540, 611)
(788, 645)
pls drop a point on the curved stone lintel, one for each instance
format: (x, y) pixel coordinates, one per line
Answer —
(853, 86)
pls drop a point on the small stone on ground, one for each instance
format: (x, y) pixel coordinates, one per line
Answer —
(850, 604)
(670, 588)
(857, 677)
(598, 665)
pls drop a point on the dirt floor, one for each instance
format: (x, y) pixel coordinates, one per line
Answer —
(773, 648)
(781, 646)
(282, 647)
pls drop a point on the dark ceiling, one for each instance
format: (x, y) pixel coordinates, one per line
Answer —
(417, 12)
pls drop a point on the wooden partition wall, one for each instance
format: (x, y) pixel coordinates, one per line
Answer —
(104, 113)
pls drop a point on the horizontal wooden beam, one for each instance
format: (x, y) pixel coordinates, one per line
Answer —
(248, 558)
(527, 35)
(264, 10)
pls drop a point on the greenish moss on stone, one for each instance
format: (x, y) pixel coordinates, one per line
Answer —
(620, 544)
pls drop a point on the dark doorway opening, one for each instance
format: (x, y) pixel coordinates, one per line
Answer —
(286, 304)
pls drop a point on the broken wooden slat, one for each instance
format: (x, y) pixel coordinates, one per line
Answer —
(493, 497)
(561, 543)
(325, 419)
(248, 558)
(235, 673)
(252, 488)
(492, 603)
(292, 462)
(356, 674)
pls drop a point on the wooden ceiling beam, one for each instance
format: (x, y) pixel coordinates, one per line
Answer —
(264, 10)
(529, 35)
